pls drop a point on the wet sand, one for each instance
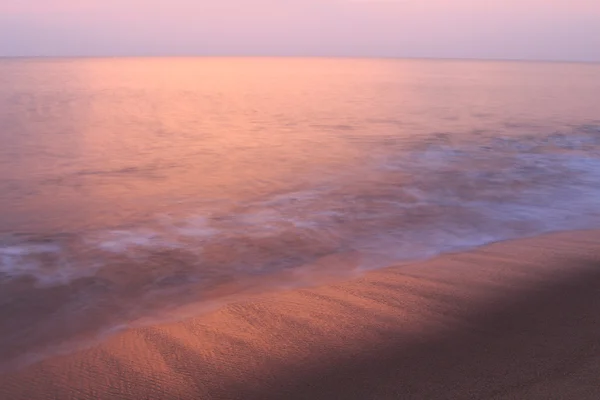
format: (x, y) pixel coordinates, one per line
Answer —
(512, 320)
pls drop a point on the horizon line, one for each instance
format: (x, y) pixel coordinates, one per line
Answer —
(407, 58)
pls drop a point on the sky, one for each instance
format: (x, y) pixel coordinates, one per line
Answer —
(483, 29)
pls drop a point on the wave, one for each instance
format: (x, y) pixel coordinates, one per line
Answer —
(437, 195)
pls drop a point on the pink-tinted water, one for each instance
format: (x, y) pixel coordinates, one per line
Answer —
(130, 188)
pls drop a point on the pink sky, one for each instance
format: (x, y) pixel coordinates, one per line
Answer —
(514, 29)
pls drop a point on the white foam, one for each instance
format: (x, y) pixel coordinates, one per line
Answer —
(20, 260)
(120, 241)
(46, 263)
(27, 249)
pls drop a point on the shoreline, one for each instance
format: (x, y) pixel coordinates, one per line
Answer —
(511, 318)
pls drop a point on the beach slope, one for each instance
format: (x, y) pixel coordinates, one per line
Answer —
(512, 320)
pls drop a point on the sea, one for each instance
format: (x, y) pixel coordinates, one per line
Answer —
(141, 190)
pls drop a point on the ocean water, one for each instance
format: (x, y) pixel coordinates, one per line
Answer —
(136, 190)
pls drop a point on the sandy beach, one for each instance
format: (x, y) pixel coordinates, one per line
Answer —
(512, 320)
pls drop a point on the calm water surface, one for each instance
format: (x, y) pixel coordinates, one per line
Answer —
(132, 188)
